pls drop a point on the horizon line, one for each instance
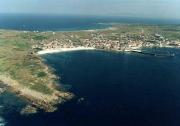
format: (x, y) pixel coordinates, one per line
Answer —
(100, 16)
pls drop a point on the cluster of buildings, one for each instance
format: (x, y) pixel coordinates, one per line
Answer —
(125, 42)
(53, 45)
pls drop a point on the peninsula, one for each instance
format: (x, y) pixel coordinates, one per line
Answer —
(23, 71)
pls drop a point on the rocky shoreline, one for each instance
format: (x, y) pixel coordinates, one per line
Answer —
(22, 57)
(35, 99)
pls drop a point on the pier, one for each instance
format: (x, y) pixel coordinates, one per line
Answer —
(163, 54)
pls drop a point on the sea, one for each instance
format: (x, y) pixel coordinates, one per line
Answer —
(110, 88)
(35, 22)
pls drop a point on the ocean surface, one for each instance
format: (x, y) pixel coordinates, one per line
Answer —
(111, 89)
(30, 22)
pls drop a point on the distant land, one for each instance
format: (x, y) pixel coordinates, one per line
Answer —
(23, 71)
(35, 22)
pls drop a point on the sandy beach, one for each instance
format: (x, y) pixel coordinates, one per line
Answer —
(49, 51)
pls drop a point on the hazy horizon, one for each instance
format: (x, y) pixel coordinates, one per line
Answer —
(158, 9)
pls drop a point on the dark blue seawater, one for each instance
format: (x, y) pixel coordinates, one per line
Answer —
(31, 22)
(113, 89)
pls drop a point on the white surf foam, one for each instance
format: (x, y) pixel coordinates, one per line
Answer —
(2, 121)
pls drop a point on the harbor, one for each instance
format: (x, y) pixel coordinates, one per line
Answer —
(157, 54)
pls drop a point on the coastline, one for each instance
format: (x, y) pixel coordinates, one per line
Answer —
(50, 51)
(35, 99)
(29, 74)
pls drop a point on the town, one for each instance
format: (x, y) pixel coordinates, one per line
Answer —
(106, 40)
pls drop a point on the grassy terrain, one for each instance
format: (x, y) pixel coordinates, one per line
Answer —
(32, 79)
(17, 61)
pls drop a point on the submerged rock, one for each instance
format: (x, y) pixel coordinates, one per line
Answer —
(2, 90)
(28, 110)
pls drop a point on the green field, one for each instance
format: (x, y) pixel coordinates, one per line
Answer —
(18, 61)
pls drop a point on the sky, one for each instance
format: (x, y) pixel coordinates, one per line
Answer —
(128, 8)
